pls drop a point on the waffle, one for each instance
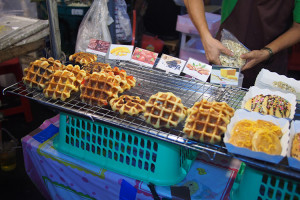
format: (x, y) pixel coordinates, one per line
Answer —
(207, 121)
(57, 65)
(60, 85)
(37, 74)
(131, 105)
(95, 67)
(99, 88)
(220, 107)
(120, 74)
(267, 142)
(82, 58)
(269, 105)
(164, 109)
(127, 81)
(79, 74)
(131, 81)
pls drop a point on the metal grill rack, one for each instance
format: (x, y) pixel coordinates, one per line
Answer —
(149, 82)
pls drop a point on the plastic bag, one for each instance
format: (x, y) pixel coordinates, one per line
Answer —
(233, 44)
(122, 20)
(94, 25)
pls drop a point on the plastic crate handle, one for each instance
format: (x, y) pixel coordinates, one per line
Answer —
(238, 178)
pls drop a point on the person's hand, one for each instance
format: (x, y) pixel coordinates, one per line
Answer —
(213, 48)
(254, 57)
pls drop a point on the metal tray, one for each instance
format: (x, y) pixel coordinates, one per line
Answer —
(149, 82)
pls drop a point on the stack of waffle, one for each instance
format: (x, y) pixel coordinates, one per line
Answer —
(41, 74)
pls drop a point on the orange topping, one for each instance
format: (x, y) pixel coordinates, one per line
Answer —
(111, 73)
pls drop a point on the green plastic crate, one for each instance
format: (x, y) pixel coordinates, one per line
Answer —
(253, 184)
(134, 155)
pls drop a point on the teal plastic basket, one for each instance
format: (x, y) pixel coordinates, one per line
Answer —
(253, 184)
(134, 155)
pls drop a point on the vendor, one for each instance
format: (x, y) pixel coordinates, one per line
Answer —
(266, 27)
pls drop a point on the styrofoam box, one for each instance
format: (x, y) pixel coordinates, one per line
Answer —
(295, 128)
(241, 114)
(185, 24)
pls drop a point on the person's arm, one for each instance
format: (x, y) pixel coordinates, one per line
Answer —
(212, 47)
(287, 39)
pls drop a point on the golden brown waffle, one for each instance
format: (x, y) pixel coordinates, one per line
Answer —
(37, 74)
(164, 109)
(82, 58)
(60, 85)
(99, 88)
(269, 105)
(131, 105)
(220, 107)
(131, 81)
(123, 77)
(207, 121)
(128, 81)
(267, 142)
(95, 67)
(79, 74)
(57, 65)
(205, 125)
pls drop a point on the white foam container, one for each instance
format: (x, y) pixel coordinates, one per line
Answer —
(253, 91)
(295, 128)
(265, 80)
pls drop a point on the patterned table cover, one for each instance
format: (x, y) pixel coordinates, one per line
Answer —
(59, 176)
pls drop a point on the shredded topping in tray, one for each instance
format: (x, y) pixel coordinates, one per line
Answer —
(284, 86)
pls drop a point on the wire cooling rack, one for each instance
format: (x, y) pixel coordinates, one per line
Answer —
(149, 82)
